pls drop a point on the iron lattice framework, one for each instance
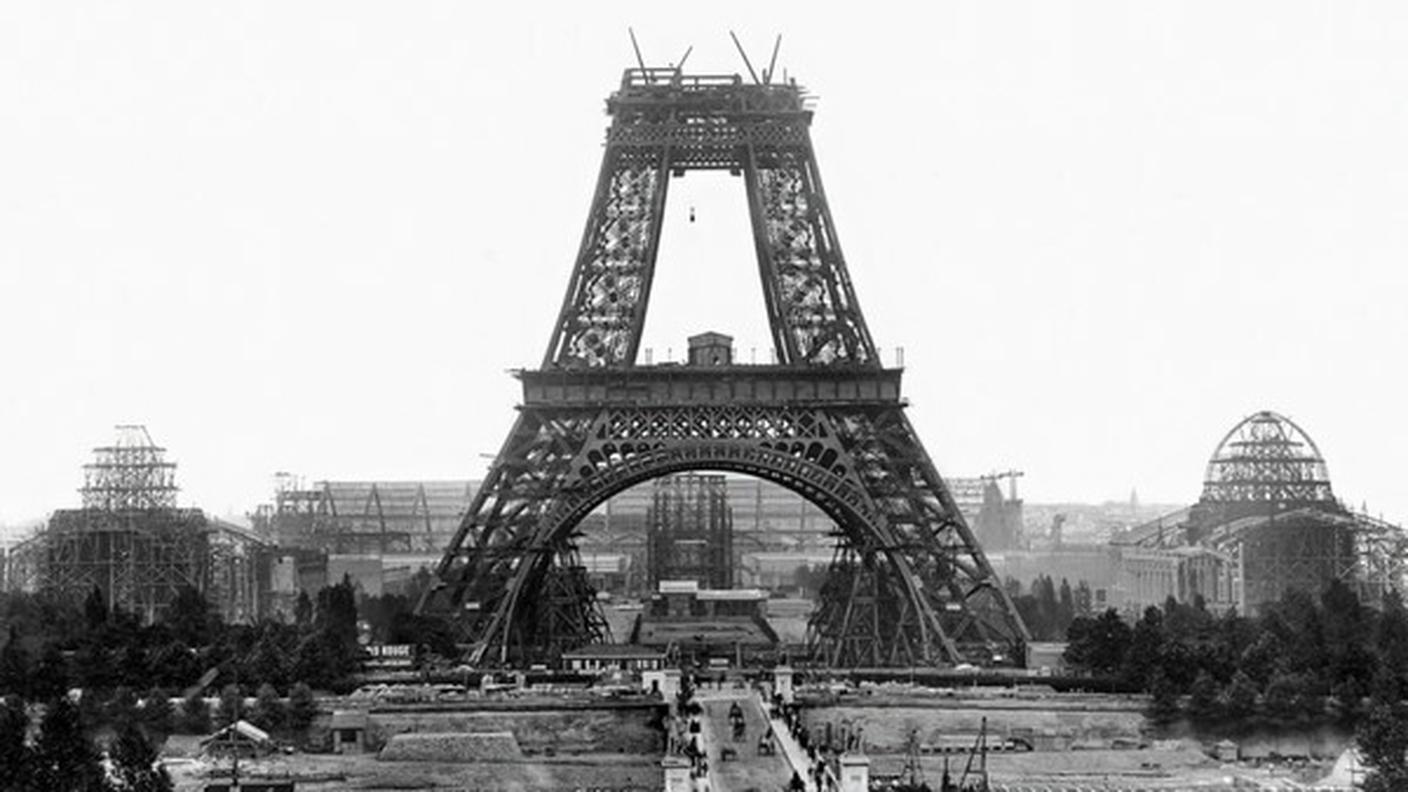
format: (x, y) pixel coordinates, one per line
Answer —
(133, 543)
(365, 517)
(1267, 458)
(132, 473)
(911, 586)
(664, 123)
(689, 531)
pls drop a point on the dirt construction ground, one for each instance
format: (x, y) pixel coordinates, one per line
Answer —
(326, 773)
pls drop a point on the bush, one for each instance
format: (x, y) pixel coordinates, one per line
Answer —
(64, 758)
(1163, 704)
(231, 707)
(301, 707)
(121, 707)
(195, 714)
(157, 712)
(1239, 698)
(134, 763)
(1202, 698)
(269, 711)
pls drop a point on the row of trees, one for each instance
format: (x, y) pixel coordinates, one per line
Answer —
(1301, 658)
(52, 645)
(129, 673)
(1047, 609)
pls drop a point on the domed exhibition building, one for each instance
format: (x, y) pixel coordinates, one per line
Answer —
(1268, 521)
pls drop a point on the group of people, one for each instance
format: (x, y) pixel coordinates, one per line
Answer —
(686, 739)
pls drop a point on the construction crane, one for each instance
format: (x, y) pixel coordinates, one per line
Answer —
(1011, 476)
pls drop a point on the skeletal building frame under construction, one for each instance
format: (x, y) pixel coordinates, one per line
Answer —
(131, 541)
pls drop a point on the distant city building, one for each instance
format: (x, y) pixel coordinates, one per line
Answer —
(1148, 577)
(372, 518)
(996, 520)
(779, 570)
(609, 572)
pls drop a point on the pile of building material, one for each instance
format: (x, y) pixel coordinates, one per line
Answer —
(452, 747)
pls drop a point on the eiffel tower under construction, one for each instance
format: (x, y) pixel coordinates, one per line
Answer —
(909, 585)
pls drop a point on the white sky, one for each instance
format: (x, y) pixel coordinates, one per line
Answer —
(313, 236)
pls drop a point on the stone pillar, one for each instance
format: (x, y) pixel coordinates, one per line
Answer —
(664, 680)
(782, 682)
(677, 775)
(670, 684)
(855, 773)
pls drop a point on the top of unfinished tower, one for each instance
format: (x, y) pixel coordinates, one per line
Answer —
(132, 473)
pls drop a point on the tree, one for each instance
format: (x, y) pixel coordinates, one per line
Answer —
(157, 712)
(434, 633)
(1163, 702)
(1391, 636)
(1013, 586)
(92, 663)
(1202, 698)
(1304, 643)
(301, 707)
(268, 708)
(303, 610)
(1065, 607)
(311, 664)
(1098, 645)
(64, 758)
(190, 617)
(122, 706)
(1239, 698)
(173, 664)
(195, 713)
(1383, 741)
(15, 755)
(1348, 635)
(1083, 598)
(134, 763)
(50, 678)
(337, 611)
(15, 666)
(95, 609)
(230, 708)
(1048, 611)
(1289, 696)
(1146, 644)
(267, 662)
(1264, 658)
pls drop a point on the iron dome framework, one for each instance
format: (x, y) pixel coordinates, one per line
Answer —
(911, 585)
(1267, 458)
(1268, 504)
